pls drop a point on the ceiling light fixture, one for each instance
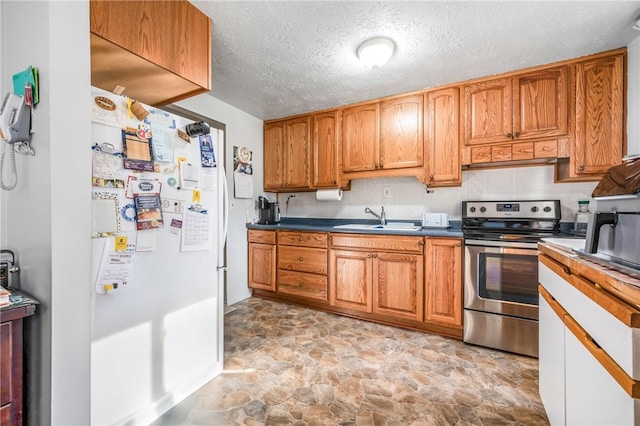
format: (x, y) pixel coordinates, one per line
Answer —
(376, 51)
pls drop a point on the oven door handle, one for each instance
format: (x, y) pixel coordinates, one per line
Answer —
(499, 244)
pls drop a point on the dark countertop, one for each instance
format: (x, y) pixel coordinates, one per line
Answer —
(327, 225)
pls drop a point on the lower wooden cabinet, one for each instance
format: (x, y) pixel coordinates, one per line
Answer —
(262, 260)
(443, 280)
(351, 280)
(391, 279)
(377, 282)
(398, 284)
(302, 265)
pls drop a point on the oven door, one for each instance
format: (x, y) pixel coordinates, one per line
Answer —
(501, 277)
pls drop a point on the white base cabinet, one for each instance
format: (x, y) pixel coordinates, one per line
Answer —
(580, 381)
(593, 397)
(551, 362)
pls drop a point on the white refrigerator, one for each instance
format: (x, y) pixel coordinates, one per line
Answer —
(158, 336)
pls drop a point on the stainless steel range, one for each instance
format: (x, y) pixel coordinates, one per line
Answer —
(501, 271)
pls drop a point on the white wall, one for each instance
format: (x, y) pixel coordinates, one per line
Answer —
(242, 129)
(409, 198)
(633, 97)
(45, 219)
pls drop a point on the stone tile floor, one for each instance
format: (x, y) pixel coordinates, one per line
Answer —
(288, 365)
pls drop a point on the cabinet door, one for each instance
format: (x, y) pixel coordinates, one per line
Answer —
(274, 155)
(599, 136)
(401, 133)
(297, 153)
(360, 138)
(442, 124)
(443, 281)
(540, 104)
(325, 150)
(488, 112)
(262, 266)
(398, 285)
(593, 396)
(551, 359)
(350, 280)
(6, 364)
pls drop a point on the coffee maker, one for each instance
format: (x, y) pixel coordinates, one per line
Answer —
(269, 213)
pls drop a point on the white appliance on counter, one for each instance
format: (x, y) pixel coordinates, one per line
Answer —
(159, 338)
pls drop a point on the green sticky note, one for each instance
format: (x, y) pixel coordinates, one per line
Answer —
(21, 79)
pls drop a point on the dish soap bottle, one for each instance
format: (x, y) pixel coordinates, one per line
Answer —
(582, 216)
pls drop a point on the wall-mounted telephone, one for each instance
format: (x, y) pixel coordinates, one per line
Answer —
(8, 267)
(15, 127)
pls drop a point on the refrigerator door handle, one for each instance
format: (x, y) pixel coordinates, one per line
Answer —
(225, 201)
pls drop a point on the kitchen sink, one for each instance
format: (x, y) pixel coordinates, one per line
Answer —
(391, 226)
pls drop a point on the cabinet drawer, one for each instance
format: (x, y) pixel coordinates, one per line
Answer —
(546, 149)
(311, 286)
(501, 153)
(619, 340)
(379, 242)
(304, 239)
(265, 237)
(481, 154)
(5, 414)
(522, 151)
(302, 259)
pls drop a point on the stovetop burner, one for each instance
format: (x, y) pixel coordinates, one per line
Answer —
(511, 220)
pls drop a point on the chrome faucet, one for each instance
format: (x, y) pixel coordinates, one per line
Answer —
(382, 217)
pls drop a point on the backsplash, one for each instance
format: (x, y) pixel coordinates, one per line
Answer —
(408, 198)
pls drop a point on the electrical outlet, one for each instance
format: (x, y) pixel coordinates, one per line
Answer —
(386, 192)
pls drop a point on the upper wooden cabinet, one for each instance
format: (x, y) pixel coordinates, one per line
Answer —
(401, 134)
(274, 155)
(529, 105)
(383, 135)
(599, 140)
(361, 138)
(325, 141)
(158, 51)
(442, 137)
(287, 154)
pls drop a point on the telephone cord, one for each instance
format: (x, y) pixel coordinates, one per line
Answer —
(12, 167)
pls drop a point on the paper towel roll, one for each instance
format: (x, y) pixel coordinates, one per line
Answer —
(329, 194)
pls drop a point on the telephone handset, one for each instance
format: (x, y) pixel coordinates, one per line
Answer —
(15, 127)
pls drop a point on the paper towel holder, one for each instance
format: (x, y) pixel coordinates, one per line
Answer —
(332, 194)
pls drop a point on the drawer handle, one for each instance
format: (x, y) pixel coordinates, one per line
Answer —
(545, 148)
(300, 258)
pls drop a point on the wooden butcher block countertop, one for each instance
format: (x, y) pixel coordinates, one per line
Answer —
(614, 291)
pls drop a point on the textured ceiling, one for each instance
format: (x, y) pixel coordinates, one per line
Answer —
(274, 59)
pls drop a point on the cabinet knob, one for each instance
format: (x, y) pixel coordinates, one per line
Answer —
(381, 165)
(300, 258)
(420, 243)
(581, 168)
(300, 285)
(430, 177)
(300, 239)
(509, 135)
(545, 148)
(516, 135)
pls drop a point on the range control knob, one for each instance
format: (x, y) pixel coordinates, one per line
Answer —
(483, 209)
(547, 209)
(534, 209)
(472, 209)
